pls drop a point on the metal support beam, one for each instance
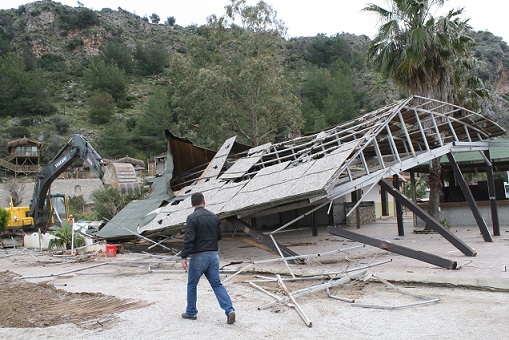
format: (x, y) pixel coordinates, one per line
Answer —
(394, 248)
(383, 198)
(414, 193)
(261, 238)
(470, 199)
(314, 231)
(356, 198)
(428, 219)
(492, 193)
(399, 208)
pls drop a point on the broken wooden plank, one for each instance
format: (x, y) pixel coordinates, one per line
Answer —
(261, 238)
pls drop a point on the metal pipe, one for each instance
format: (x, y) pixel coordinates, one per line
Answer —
(238, 272)
(63, 273)
(335, 297)
(147, 239)
(294, 302)
(158, 243)
(281, 254)
(308, 255)
(263, 290)
(319, 287)
(298, 218)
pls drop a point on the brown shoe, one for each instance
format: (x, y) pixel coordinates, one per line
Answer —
(231, 318)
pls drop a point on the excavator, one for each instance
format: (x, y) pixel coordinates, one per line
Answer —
(48, 209)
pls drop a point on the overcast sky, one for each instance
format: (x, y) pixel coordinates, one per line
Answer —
(302, 17)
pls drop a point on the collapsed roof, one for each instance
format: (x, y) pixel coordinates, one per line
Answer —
(314, 170)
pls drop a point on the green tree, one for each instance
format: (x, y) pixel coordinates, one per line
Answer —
(330, 96)
(77, 207)
(323, 51)
(101, 107)
(13, 82)
(109, 78)
(428, 56)
(116, 141)
(171, 21)
(22, 92)
(37, 99)
(114, 52)
(232, 79)
(151, 123)
(151, 59)
(155, 18)
(109, 201)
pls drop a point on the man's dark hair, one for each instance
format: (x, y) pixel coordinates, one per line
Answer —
(197, 199)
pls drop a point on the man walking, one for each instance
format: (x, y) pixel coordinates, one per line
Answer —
(200, 243)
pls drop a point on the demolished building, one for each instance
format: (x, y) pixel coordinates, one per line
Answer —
(309, 174)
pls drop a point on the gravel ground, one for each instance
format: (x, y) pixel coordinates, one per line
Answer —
(148, 303)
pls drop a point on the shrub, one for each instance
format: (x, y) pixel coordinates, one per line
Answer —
(4, 219)
(79, 19)
(74, 43)
(17, 131)
(52, 62)
(63, 237)
(101, 108)
(61, 123)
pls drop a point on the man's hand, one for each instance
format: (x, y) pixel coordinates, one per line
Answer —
(185, 265)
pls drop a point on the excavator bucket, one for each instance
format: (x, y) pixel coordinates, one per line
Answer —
(121, 176)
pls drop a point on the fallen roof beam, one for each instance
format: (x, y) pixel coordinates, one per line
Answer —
(430, 221)
(394, 248)
(470, 199)
(261, 238)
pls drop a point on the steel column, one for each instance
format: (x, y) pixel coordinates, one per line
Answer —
(492, 193)
(428, 219)
(399, 207)
(470, 199)
(394, 248)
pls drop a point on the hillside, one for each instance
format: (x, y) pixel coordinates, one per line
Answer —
(59, 45)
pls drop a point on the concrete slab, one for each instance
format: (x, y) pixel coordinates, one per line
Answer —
(487, 270)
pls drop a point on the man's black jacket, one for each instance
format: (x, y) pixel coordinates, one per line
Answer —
(203, 230)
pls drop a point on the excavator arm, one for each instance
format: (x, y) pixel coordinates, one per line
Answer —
(77, 147)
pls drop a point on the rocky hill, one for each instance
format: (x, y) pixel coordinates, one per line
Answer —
(49, 27)
(62, 40)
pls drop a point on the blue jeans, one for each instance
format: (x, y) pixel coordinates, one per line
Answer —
(206, 263)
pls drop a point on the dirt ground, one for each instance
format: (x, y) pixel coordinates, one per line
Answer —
(26, 304)
(142, 296)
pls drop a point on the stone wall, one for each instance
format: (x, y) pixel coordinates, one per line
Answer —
(69, 187)
(367, 212)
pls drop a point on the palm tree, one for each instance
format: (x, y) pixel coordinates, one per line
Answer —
(428, 56)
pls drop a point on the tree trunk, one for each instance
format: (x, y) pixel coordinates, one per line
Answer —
(435, 188)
